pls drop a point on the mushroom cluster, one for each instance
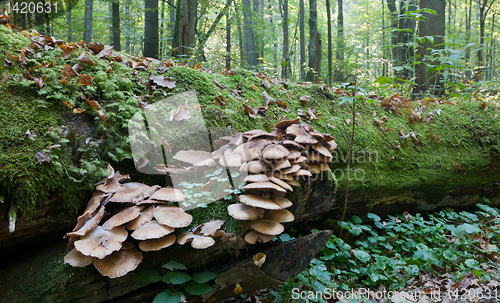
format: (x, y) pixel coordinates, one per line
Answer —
(274, 163)
(140, 210)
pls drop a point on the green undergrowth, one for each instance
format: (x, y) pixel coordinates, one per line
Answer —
(451, 149)
(398, 251)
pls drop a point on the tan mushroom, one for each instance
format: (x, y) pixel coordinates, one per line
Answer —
(152, 230)
(282, 202)
(77, 259)
(293, 145)
(281, 216)
(172, 216)
(119, 263)
(303, 173)
(301, 135)
(241, 211)
(322, 150)
(230, 159)
(211, 228)
(255, 167)
(253, 237)
(265, 187)
(124, 216)
(292, 170)
(268, 227)
(197, 241)
(283, 124)
(281, 183)
(100, 242)
(293, 183)
(294, 155)
(132, 192)
(157, 244)
(89, 225)
(253, 149)
(282, 164)
(330, 145)
(111, 184)
(258, 201)
(256, 178)
(275, 152)
(142, 219)
(168, 194)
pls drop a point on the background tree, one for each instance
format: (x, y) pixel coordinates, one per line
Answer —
(340, 40)
(249, 35)
(302, 41)
(116, 25)
(185, 28)
(285, 59)
(87, 34)
(151, 29)
(313, 29)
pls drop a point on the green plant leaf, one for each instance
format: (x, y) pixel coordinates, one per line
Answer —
(175, 277)
(374, 217)
(467, 228)
(146, 276)
(449, 255)
(362, 255)
(168, 297)
(174, 265)
(471, 263)
(197, 289)
(203, 277)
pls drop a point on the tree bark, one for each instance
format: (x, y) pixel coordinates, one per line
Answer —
(87, 24)
(340, 42)
(432, 26)
(313, 29)
(70, 27)
(317, 58)
(151, 29)
(185, 28)
(468, 17)
(116, 25)
(172, 17)
(249, 34)
(330, 59)
(285, 60)
(303, 40)
(228, 41)
(240, 37)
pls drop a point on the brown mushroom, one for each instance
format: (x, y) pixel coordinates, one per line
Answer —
(197, 242)
(283, 124)
(132, 192)
(258, 201)
(282, 164)
(255, 167)
(281, 183)
(268, 227)
(253, 237)
(168, 194)
(256, 178)
(241, 211)
(124, 216)
(282, 202)
(301, 135)
(157, 244)
(172, 216)
(275, 152)
(89, 225)
(265, 187)
(195, 157)
(100, 242)
(211, 228)
(281, 216)
(77, 259)
(142, 219)
(152, 230)
(119, 263)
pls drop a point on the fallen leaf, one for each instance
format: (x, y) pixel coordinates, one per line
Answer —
(484, 105)
(305, 99)
(143, 104)
(255, 88)
(220, 85)
(347, 121)
(182, 113)
(266, 84)
(68, 105)
(30, 135)
(95, 47)
(40, 81)
(162, 81)
(68, 72)
(67, 50)
(374, 114)
(235, 94)
(78, 110)
(84, 59)
(7, 63)
(219, 99)
(268, 100)
(282, 103)
(42, 157)
(53, 146)
(106, 52)
(5, 77)
(85, 79)
(12, 57)
(97, 107)
(77, 67)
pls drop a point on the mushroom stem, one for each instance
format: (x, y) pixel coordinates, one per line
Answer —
(238, 289)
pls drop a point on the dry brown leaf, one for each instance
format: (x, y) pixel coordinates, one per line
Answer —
(78, 110)
(182, 113)
(42, 157)
(143, 104)
(84, 59)
(5, 77)
(106, 52)
(305, 99)
(12, 57)
(68, 105)
(219, 84)
(68, 72)
(162, 81)
(266, 84)
(67, 50)
(40, 81)
(95, 47)
(220, 100)
(7, 63)
(268, 100)
(85, 79)
(97, 107)
(254, 87)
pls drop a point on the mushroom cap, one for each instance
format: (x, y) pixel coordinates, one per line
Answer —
(323, 166)
(172, 216)
(198, 242)
(230, 159)
(303, 173)
(330, 145)
(255, 167)
(100, 242)
(256, 133)
(256, 178)
(127, 245)
(293, 183)
(216, 154)
(281, 215)
(211, 228)
(157, 244)
(282, 164)
(282, 202)
(299, 160)
(314, 168)
(293, 144)
(131, 192)
(94, 202)
(316, 157)
(123, 216)
(300, 133)
(89, 225)
(275, 152)
(77, 259)
(241, 211)
(119, 263)
(143, 218)
(152, 230)
(268, 227)
(291, 170)
(253, 149)
(281, 183)
(252, 237)
(294, 155)
(282, 176)
(283, 124)
(263, 187)
(168, 194)
(258, 201)
(195, 157)
(112, 184)
(322, 150)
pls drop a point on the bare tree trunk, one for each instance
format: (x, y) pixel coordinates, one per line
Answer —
(468, 17)
(384, 64)
(151, 29)
(228, 41)
(330, 59)
(492, 46)
(317, 58)
(87, 23)
(432, 26)
(127, 26)
(185, 28)
(250, 39)
(70, 8)
(340, 41)
(303, 40)
(313, 29)
(116, 25)
(256, 26)
(285, 60)
(172, 17)
(484, 8)
(275, 39)
(391, 5)
(162, 31)
(202, 38)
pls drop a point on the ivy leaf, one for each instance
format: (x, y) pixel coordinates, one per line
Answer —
(467, 228)
(146, 276)
(203, 277)
(197, 289)
(175, 277)
(374, 217)
(174, 265)
(362, 255)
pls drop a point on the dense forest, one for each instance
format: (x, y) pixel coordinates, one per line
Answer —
(405, 41)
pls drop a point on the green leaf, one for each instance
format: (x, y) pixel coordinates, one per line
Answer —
(175, 277)
(467, 228)
(168, 297)
(203, 277)
(374, 217)
(197, 289)
(362, 255)
(471, 263)
(357, 220)
(383, 80)
(477, 273)
(146, 276)
(285, 237)
(174, 265)
(449, 255)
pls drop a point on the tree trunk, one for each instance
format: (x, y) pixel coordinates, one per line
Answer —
(391, 5)
(285, 60)
(317, 58)
(385, 55)
(228, 41)
(161, 50)
(70, 8)
(87, 24)
(468, 14)
(127, 26)
(172, 17)
(185, 28)
(151, 29)
(432, 26)
(250, 39)
(340, 42)
(257, 25)
(330, 59)
(116, 25)
(313, 29)
(202, 38)
(240, 37)
(303, 41)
